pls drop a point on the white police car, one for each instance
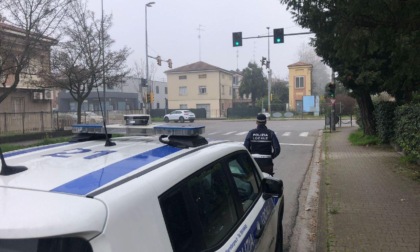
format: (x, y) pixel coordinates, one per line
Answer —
(147, 193)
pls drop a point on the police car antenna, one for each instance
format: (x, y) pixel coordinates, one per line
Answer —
(107, 139)
(7, 169)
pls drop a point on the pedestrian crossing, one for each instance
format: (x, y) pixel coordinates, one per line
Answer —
(241, 133)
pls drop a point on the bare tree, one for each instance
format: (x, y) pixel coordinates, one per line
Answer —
(85, 61)
(33, 29)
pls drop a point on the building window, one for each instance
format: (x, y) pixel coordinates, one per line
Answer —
(166, 90)
(202, 76)
(182, 91)
(299, 82)
(157, 89)
(183, 106)
(223, 89)
(158, 105)
(18, 104)
(202, 90)
(182, 77)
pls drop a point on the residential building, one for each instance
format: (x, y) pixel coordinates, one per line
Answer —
(300, 84)
(27, 97)
(236, 83)
(160, 92)
(200, 85)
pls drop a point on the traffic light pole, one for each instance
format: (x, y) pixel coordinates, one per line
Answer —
(269, 73)
(279, 33)
(289, 34)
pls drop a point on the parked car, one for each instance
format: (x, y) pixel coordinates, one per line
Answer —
(179, 115)
(139, 193)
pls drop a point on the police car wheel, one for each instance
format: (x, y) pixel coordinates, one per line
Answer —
(181, 119)
(166, 119)
(279, 239)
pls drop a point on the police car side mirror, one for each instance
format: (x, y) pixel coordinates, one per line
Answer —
(272, 187)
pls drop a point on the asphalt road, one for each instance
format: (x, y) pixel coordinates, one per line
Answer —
(297, 140)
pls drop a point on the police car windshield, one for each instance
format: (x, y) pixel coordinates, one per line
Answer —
(57, 244)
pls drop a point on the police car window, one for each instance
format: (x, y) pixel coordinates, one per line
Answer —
(246, 179)
(206, 205)
(57, 244)
(214, 201)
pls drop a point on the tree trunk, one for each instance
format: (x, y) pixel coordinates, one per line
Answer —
(366, 113)
(79, 112)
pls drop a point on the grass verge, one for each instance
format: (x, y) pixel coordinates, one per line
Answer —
(359, 138)
(45, 141)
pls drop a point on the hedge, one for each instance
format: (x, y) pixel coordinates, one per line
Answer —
(385, 117)
(407, 129)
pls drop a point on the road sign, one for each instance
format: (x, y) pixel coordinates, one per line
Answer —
(332, 101)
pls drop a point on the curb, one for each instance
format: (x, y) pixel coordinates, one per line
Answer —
(306, 221)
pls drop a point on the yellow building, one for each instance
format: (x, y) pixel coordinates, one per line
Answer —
(200, 85)
(300, 84)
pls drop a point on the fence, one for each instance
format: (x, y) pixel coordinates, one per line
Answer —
(31, 122)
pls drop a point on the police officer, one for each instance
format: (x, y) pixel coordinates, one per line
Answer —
(263, 145)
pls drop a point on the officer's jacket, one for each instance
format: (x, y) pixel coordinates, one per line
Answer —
(262, 141)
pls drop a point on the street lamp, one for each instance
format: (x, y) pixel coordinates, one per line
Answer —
(147, 50)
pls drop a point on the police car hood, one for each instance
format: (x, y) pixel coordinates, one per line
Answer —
(50, 195)
(81, 168)
(36, 214)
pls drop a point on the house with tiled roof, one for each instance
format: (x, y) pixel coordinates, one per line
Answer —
(200, 85)
(300, 84)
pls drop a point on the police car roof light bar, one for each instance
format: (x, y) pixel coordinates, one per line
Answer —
(181, 136)
(7, 170)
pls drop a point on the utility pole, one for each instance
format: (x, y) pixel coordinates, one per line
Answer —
(147, 56)
(199, 41)
(269, 72)
(103, 61)
(332, 119)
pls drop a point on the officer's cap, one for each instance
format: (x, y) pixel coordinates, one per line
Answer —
(261, 118)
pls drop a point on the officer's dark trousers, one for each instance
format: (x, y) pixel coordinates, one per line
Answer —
(266, 165)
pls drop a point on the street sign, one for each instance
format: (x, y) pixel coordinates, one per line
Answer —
(332, 101)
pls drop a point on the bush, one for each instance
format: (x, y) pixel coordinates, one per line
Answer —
(407, 128)
(385, 117)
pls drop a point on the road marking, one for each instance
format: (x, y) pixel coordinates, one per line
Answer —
(228, 133)
(286, 134)
(304, 134)
(241, 133)
(214, 133)
(292, 144)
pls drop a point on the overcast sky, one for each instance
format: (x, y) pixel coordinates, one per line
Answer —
(173, 32)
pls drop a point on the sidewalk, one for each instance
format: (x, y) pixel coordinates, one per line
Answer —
(364, 204)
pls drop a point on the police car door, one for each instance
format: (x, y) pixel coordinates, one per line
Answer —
(258, 230)
(221, 208)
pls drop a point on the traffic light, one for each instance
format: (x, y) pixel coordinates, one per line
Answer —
(152, 97)
(263, 61)
(237, 39)
(267, 64)
(278, 36)
(159, 60)
(169, 63)
(331, 90)
(143, 82)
